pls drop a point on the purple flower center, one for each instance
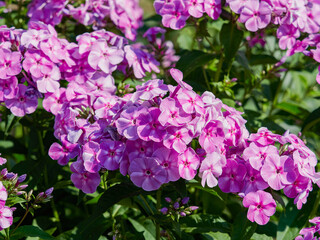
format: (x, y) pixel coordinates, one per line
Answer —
(148, 172)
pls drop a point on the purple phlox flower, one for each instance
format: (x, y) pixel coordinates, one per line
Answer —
(256, 15)
(231, 179)
(3, 195)
(127, 123)
(211, 168)
(256, 154)
(287, 36)
(139, 148)
(177, 75)
(258, 38)
(33, 37)
(278, 171)
(213, 135)
(195, 8)
(237, 5)
(140, 61)
(83, 180)
(174, 15)
(149, 90)
(37, 63)
(177, 138)
(105, 57)
(213, 8)
(312, 21)
(23, 103)
(190, 101)
(168, 160)
(212, 104)
(261, 206)
(265, 137)
(172, 113)
(10, 63)
(63, 153)
(6, 218)
(2, 160)
(237, 132)
(89, 155)
(53, 101)
(101, 84)
(106, 107)
(54, 49)
(149, 127)
(49, 82)
(188, 163)
(302, 196)
(306, 165)
(110, 154)
(299, 185)
(8, 88)
(253, 181)
(151, 34)
(146, 172)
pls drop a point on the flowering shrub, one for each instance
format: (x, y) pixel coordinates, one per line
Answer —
(220, 109)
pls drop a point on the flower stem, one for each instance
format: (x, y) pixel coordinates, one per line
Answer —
(158, 207)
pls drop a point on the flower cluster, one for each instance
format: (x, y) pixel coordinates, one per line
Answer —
(161, 133)
(177, 208)
(125, 15)
(309, 233)
(33, 62)
(297, 21)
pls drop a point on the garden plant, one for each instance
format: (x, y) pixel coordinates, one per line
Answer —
(164, 119)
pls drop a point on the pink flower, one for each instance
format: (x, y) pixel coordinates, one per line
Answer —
(256, 15)
(25, 102)
(147, 173)
(261, 206)
(168, 160)
(274, 173)
(213, 8)
(195, 8)
(177, 138)
(87, 182)
(231, 179)
(3, 195)
(110, 154)
(104, 57)
(188, 163)
(6, 218)
(9, 63)
(211, 167)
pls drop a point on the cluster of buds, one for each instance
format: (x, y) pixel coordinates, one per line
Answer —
(178, 208)
(14, 183)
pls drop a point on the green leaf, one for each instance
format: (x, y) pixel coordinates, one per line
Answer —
(30, 231)
(97, 224)
(202, 223)
(257, 236)
(147, 227)
(14, 200)
(116, 193)
(262, 59)
(231, 38)
(292, 108)
(292, 220)
(311, 120)
(242, 229)
(190, 60)
(216, 236)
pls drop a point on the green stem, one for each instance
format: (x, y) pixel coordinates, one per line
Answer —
(46, 180)
(206, 78)
(22, 219)
(158, 207)
(147, 204)
(217, 76)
